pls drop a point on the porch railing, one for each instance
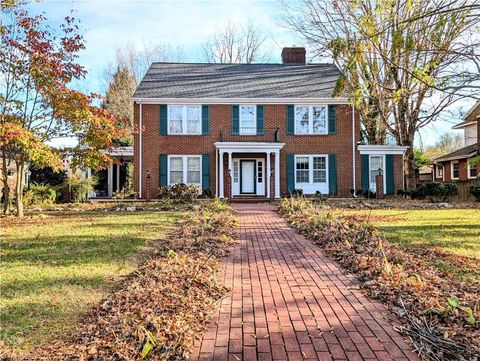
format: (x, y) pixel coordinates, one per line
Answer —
(244, 134)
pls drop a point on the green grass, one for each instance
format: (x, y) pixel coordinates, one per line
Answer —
(454, 230)
(53, 269)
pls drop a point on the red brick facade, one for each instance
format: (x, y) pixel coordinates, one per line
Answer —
(463, 171)
(341, 144)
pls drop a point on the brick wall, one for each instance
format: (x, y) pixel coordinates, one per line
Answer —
(155, 144)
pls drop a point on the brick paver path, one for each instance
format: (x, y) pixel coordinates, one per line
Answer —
(290, 302)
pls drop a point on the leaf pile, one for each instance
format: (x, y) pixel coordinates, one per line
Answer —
(163, 307)
(405, 281)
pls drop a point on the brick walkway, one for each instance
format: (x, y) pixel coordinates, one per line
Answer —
(290, 302)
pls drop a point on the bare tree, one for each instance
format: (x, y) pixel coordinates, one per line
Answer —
(137, 60)
(235, 44)
(403, 62)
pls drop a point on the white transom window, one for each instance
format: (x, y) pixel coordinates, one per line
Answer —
(185, 169)
(184, 119)
(311, 119)
(248, 121)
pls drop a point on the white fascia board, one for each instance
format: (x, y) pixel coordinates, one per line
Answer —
(248, 147)
(463, 125)
(382, 149)
(305, 101)
(471, 110)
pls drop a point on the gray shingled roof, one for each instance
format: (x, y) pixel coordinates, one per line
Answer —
(465, 152)
(178, 80)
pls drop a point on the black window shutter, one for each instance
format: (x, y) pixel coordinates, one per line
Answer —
(260, 120)
(290, 119)
(235, 120)
(205, 119)
(332, 119)
(163, 119)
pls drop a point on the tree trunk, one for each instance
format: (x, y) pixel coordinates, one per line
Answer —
(19, 186)
(409, 164)
(5, 188)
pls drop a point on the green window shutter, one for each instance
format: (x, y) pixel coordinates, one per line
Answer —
(260, 120)
(332, 174)
(332, 119)
(206, 171)
(290, 119)
(365, 169)
(235, 120)
(163, 169)
(205, 119)
(290, 173)
(163, 119)
(389, 174)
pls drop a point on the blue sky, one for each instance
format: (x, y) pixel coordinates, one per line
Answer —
(107, 24)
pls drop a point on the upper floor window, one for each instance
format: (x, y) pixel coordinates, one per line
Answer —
(311, 119)
(248, 122)
(184, 119)
(455, 170)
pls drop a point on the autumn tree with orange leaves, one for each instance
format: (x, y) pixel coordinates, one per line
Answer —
(37, 103)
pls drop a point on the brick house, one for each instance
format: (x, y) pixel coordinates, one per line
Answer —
(455, 166)
(254, 130)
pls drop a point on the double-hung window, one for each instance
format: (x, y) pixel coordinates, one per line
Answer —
(184, 119)
(455, 170)
(311, 119)
(185, 169)
(248, 121)
(472, 171)
(311, 169)
(439, 171)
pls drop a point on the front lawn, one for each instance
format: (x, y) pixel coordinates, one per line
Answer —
(55, 267)
(456, 231)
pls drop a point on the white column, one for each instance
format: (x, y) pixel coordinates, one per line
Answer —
(118, 177)
(277, 175)
(268, 174)
(230, 171)
(221, 176)
(110, 180)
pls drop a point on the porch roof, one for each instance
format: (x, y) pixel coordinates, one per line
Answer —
(249, 147)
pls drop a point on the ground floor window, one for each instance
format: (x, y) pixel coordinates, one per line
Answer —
(311, 173)
(455, 170)
(472, 171)
(184, 169)
(439, 171)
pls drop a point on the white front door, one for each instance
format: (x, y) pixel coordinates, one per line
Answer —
(247, 178)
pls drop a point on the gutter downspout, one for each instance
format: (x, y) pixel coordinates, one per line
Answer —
(353, 152)
(140, 146)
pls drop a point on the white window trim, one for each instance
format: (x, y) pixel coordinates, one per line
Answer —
(469, 169)
(240, 120)
(184, 118)
(310, 118)
(383, 171)
(310, 169)
(451, 169)
(185, 167)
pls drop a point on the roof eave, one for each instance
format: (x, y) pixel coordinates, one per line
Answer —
(295, 100)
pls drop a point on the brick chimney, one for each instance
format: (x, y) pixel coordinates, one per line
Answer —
(294, 55)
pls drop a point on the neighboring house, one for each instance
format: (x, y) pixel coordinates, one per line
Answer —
(455, 166)
(254, 130)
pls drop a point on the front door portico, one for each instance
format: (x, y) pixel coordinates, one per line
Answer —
(248, 169)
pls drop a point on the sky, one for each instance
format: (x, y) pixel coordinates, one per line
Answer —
(108, 24)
